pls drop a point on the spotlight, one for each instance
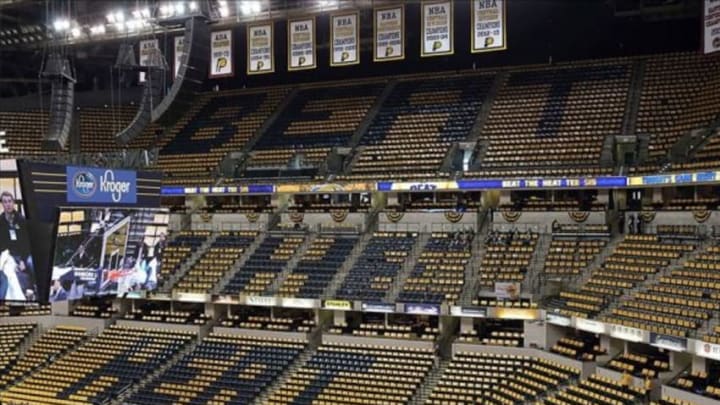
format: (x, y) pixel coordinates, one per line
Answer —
(193, 6)
(180, 8)
(110, 18)
(61, 25)
(97, 29)
(76, 32)
(224, 12)
(119, 16)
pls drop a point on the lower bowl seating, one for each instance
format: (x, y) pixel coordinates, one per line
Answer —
(222, 369)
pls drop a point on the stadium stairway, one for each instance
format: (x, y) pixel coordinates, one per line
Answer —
(121, 399)
(339, 278)
(301, 360)
(402, 276)
(472, 283)
(476, 130)
(435, 375)
(537, 264)
(168, 284)
(292, 263)
(633, 101)
(239, 263)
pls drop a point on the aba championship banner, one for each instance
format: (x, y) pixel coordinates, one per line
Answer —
(104, 186)
(711, 26)
(260, 49)
(301, 44)
(389, 38)
(488, 32)
(345, 36)
(221, 64)
(147, 47)
(179, 48)
(437, 35)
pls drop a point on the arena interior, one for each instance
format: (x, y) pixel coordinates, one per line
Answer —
(360, 202)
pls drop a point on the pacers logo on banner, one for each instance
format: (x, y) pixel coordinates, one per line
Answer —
(91, 185)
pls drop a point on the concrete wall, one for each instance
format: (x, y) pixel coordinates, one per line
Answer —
(546, 218)
(314, 220)
(687, 396)
(427, 222)
(586, 368)
(680, 218)
(362, 340)
(261, 333)
(229, 222)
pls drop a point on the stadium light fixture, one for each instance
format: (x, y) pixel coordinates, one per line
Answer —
(61, 24)
(97, 29)
(249, 7)
(224, 11)
(179, 8)
(119, 16)
(110, 18)
(76, 32)
(193, 6)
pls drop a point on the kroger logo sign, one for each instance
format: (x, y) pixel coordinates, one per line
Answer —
(109, 186)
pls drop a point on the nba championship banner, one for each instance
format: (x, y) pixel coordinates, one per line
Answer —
(437, 26)
(711, 26)
(147, 47)
(301, 44)
(488, 32)
(260, 49)
(345, 37)
(389, 26)
(221, 54)
(179, 48)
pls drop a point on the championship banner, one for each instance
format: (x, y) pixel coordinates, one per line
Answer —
(345, 39)
(389, 30)
(488, 26)
(260, 49)
(437, 26)
(179, 48)
(711, 26)
(146, 49)
(221, 54)
(301, 44)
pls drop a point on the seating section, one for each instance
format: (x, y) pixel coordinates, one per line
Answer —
(568, 257)
(585, 347)
(100, 368)
(713, 337)
(22, 132)
(52, 344)
(507, 258)
(218, 123)
(706, 157)
(679, 303)
(489, 378)
(95, 309)
(26, 309)
(668, 400)
(395, 331)
(315, 120)
(679, 93)
(566, 114)
(302, 324)
(179, 249)
(261, 269)
(223, 369)
(635, 259)
(597, 389)
(439, 274)
(98, 126)
(215, 262)
(154, 312)
(349, 373)
(640, 365)
(12, 336)
(699, 382)
(318, 266)
(495, 333)
(416, 125)
(377, 267)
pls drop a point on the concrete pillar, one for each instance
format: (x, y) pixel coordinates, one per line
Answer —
(699, 364)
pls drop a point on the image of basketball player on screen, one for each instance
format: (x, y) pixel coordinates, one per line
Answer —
(17, 273)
